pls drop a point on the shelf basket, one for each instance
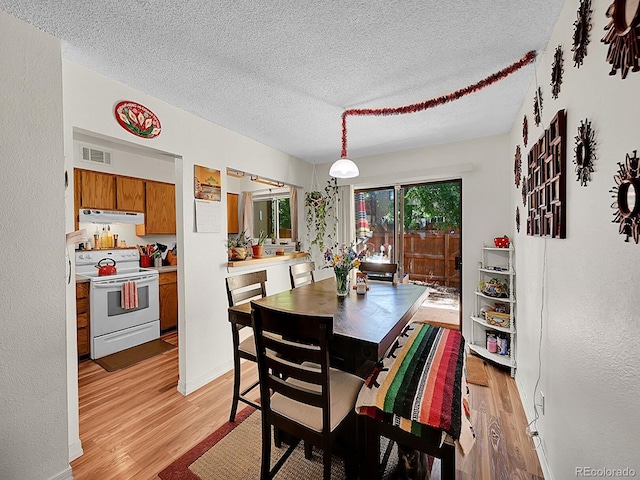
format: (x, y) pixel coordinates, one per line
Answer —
(497, 319)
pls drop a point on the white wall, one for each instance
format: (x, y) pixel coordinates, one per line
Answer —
(33, 399)
(204, 341)
(486, 180)
(590, 363)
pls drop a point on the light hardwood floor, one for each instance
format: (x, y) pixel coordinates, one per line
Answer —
(133, 422)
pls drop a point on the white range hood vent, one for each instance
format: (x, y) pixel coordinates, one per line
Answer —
(110, 216)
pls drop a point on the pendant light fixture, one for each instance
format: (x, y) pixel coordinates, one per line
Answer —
(343, 167)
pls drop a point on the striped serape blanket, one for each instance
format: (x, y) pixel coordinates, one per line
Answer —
(421, 381)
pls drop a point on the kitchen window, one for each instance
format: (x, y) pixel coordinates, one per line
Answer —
(272, 214)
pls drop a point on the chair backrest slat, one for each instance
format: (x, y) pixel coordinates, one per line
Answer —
(308, 397)
(379, 271)
(302, 274)
(247, 286)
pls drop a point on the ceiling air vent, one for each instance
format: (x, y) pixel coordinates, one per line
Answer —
(96, 156)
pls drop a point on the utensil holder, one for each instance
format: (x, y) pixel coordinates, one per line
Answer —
(145, 261)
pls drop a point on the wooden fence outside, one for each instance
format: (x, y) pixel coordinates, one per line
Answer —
(429, 256)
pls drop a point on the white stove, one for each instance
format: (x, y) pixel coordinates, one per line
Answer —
(112, 327)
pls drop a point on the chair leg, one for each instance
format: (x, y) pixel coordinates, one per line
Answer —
(307, 451)
(372, 450)
(448, 464)
(326, 461)
(236, 386)
(265, 464)
(277, 441)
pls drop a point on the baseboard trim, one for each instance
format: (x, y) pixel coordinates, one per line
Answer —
(75, 450)
(185, 388)
(64, 475)
(530, 414)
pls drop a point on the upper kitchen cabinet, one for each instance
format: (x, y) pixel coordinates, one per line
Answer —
(130, 194)
(160, 213)
(97, 190)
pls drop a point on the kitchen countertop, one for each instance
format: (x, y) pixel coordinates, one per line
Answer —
(166, 268)
(266, 259)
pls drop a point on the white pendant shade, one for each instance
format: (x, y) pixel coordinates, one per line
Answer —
(344, 168)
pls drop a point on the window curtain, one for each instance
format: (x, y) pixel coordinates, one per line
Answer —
(293, 208)
(247, 213)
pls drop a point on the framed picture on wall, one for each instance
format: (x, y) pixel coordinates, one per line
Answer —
(206, 183)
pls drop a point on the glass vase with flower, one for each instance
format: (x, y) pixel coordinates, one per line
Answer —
(342, 260)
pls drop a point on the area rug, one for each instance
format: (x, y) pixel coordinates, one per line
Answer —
(477, 371)
(133, 355)
(233, 452)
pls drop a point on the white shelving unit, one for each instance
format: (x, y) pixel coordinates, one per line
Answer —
(496, 263)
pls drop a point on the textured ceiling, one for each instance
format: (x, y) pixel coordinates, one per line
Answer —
(282, 71)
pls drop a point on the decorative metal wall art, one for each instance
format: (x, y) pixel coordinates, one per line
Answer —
(581, 31)
(537, 107)
(525, 130)
(518, 219)
(517, 166)
(524, 191)
(623, 36)
(547, 181)
(585, 152)
(556, 72)
(627, 195)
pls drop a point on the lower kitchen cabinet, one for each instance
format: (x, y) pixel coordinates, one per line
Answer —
(82, 318)
(168, 300)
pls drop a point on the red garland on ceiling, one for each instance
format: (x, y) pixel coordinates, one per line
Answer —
(434, 102)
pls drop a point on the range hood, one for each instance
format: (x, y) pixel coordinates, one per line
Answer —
(110, 216)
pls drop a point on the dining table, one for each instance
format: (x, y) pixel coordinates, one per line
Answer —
(364, 326)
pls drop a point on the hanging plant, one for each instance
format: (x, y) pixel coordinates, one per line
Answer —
(319, 205)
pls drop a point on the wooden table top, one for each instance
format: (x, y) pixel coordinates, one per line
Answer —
(364, 326)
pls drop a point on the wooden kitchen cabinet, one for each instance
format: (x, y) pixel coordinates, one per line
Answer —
(130, 194)
(160, 209)
(82, 318)
(97, 190)
(168, 300)
(232, 213)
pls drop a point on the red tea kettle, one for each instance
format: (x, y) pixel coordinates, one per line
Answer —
(106, 269)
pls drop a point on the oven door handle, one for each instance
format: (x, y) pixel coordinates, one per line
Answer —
(118, 283)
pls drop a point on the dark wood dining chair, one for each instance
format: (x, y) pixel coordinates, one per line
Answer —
(379, 271)
(240, 290)
(310, 400)
(302, 274)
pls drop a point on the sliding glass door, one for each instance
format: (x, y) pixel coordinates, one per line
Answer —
(419, 228)
(375, 224)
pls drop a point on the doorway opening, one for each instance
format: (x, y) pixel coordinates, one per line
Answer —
(417, 226)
